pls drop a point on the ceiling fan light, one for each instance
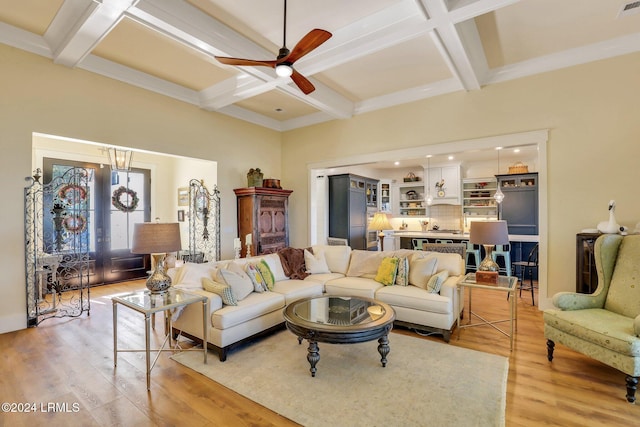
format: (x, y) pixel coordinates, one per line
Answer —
(284, 70)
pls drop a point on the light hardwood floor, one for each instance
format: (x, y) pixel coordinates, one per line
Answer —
(70, 361)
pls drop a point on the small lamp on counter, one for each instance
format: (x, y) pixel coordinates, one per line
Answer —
(380, 222)
(157, 239)
(488, 234)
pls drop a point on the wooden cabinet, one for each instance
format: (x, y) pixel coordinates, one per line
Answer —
(586, 274)
(520, 205)
(384, 196)
(349, 199)
(263, 213)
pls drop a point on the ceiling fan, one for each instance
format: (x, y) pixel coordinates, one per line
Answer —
(283, 64)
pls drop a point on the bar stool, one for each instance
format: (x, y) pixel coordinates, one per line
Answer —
(444, 241)
(474, 251)
(417, 243)
(503, 251)
(529, 266)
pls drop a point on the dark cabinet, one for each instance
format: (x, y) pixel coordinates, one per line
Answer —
(349, 197)
(586, 273)
(263, 213)
(520, 205)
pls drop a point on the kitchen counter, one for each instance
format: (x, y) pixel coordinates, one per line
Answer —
(457, 236)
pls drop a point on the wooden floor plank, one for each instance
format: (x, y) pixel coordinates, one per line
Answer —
(71, 360)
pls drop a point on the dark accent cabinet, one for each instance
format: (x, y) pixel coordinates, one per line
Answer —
(263, 213)
(349, 196)
(586, 273)
(520, 205)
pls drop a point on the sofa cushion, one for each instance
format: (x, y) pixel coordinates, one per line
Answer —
(315, 263)
(323, 278)
(337, 257)
(253, 306)
(352, 287)
(605, 328)
(421, 270)
(295, 289)
(387, 271)
(451, 262)
(402, 276)
(237, 279)
(435, 282)
(364, 263)
(222, 289)
(190, 275)
(414, 298)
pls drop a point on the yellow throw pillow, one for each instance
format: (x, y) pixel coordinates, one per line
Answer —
(387, 271)
(266, 273)
(221, 289)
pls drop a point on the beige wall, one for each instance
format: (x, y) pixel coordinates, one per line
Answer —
(37, 96)
(591, 112)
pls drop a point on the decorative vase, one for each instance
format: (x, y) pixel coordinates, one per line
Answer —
(254, 178)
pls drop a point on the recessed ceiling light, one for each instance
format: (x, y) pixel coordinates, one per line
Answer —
(451, 157)
(516, 150)
(396, 163)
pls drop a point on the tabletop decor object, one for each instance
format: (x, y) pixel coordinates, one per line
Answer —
(488, 234)
(157, 239)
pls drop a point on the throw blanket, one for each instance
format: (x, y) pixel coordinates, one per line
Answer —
(293, 262)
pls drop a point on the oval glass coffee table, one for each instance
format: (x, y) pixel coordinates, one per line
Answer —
(339, 320)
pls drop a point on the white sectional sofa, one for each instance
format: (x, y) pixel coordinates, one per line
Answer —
(349, 273)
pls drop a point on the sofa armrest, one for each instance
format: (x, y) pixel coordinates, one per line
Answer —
(575, 301)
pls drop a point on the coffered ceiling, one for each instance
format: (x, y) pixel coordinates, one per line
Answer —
(382, 53)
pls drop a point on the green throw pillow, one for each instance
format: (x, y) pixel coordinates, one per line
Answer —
(267, 275)
(402, 277)
(259, 284)
(387, 271)
(435, 282)
(224, 291)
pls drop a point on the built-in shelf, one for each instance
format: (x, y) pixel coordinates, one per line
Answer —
(477, 197)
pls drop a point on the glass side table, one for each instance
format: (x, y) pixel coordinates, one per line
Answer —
(506, 284)
(149, 304)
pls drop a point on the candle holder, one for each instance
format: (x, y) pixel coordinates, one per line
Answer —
(237, 251)
(248, 250)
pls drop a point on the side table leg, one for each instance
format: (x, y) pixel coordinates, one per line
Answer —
(383, 349)
(147, 339)
(313, 356)
(115, 333)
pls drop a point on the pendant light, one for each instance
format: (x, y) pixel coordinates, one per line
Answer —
(429, 198)
(499, 195)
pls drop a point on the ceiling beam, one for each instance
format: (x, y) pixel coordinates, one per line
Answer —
(80, 25)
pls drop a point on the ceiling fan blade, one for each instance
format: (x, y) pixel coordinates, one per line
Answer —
(242, 62)
(302, 82)
(312, 40)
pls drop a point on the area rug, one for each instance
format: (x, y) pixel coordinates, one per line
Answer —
(425, 383)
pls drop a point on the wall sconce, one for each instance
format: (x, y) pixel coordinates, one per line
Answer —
(120, 159)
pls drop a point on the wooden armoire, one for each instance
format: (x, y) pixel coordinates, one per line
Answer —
(263, 213)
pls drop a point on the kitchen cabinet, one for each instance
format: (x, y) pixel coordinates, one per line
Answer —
(264, 214)
(477, 198)
(384, 196)
(586, 274)
(349, 204)
(520, 205)
(450, 176)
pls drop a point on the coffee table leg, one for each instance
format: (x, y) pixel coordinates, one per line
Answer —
(313, 356)
(383, 349)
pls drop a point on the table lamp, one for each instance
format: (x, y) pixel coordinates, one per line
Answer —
(156, 239)
(488, 234)
(380, 222)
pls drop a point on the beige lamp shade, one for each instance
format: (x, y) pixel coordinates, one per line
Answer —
(154, 238)
(489, 233)
(380, 221)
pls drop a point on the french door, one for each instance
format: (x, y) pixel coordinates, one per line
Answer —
(117, 200)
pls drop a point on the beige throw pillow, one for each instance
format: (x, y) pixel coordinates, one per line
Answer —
(239, 282)
(421, 270)
(436, 281)
(315, 263)
(364, 263)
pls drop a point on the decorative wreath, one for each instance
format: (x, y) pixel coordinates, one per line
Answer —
(75, 223)
(117, 202)
(73, 193)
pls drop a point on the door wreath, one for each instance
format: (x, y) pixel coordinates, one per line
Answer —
(75, 223)
(117, 199)
(73, 193)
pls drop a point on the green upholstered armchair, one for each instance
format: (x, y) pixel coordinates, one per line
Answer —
(604, 325)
